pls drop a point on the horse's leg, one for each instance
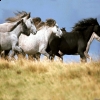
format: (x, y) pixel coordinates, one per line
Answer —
(18, 49)
(43, 51)
(58, 53)
(81, 48)
(37, 56)
(82, 56)
(6, 53)
(60, 57)
(15, 48)
(0, 54)
(88, 56)
(11, 54)
(30, 57)
(51, 56)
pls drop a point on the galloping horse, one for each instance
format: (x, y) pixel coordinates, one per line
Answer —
(38, 24)
(75, 41)
(11, 22)
(38, 43)
(9, 40)
(93, 36)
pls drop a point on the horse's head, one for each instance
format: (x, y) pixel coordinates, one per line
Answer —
(54, 26)
(26, 18)
(57, 30)
(97, 30)
(96, 27)
(25, 29)
(30, 24)
(63, 30)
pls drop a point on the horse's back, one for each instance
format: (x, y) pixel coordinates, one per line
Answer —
(5, 27)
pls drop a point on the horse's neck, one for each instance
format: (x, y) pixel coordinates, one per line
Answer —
(25, 20)
(48, 32)
(88, 33)
(6, 26)
(17, 31)
(43, 34)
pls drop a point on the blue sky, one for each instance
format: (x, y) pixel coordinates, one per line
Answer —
(65, 12)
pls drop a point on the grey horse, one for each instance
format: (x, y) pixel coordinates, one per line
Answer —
(9, 40)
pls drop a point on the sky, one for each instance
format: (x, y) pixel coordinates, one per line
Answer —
(65, 12)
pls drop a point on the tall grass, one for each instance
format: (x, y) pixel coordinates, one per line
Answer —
(45, 80)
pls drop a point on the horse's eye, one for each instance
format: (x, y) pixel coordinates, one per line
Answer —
(57, 26)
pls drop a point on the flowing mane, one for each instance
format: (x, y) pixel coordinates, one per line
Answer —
(40, 25)
(83, 24)
(12, 28)
(50, 22)
(36, 21)
(18, 16)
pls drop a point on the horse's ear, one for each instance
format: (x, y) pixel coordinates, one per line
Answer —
(28, 16)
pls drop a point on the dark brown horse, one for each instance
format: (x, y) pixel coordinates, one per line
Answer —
(75, 41)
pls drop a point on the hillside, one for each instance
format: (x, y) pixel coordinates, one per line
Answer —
(28, 80)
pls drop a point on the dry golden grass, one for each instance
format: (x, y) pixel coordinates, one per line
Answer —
(45, 80)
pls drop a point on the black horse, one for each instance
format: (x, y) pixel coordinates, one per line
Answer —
(75, 41)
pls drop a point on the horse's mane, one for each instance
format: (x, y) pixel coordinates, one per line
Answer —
(18, 16)
(40, 25)
(50, 22)
(83, 24)
(12, 28)
(36, 20)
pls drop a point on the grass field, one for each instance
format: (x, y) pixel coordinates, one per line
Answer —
(28, 80)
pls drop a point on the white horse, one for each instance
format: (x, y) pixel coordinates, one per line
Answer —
(9, 40)
(12, 21)
(38, 43)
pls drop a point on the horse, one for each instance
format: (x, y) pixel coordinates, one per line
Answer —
(9, 40)
(93, 36)
(26, 18)
(75, 41)
(38, 43)
(11, 22)
(38, 24)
